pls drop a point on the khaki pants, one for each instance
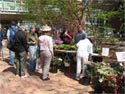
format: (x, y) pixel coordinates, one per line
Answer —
(45, 57)
(20, 61)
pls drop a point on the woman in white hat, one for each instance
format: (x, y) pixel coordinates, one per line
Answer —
(46, 51)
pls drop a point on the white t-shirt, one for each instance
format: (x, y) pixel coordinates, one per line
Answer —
(85, 47)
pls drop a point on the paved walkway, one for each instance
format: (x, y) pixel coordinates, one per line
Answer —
(59, 83)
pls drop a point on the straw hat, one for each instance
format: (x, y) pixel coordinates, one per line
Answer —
(45, 28)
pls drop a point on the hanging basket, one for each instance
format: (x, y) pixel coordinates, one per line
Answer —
(67, 61)
(67, 64)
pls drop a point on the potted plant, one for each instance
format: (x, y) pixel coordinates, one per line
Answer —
(105, 77)
(113, 84)
(55, 63)
(66, 61)
(98, 51)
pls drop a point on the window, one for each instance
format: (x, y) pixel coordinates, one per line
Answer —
(100, 1)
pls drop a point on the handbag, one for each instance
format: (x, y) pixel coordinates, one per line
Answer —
(11, 45)
(38, 52)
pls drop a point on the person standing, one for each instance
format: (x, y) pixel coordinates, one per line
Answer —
(1, 38)
(21, 52)
(46, 51)
(81, 34)
(66, 36)
(85, 47)
(32, 40)
(10, 37)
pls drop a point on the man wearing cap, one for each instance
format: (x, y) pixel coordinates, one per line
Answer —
(46, 50)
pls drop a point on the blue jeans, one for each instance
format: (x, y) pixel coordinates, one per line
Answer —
(32, 51)
(11, 53)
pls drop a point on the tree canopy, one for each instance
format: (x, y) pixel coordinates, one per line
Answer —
(73, 12)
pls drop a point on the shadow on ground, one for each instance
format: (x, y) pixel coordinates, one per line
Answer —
(6, 60)
(69, 71)
(10, 69)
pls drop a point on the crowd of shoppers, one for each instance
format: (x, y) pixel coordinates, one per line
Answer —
(32, 43)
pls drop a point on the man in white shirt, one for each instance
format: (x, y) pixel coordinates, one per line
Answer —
(85, 47)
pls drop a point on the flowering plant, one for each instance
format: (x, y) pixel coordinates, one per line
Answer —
(58, 42)
(113, 84)
(109, 76)
(101, 70)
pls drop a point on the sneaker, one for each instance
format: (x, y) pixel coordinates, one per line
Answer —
(24, 76)
(77, 78)
(17, 75)
(11, 64)
(45, 79)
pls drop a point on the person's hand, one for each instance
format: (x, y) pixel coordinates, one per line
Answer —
(26, 52)
(53, 56)
(34, 42)
(66, 33)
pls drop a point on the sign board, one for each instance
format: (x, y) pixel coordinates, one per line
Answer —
(120, 56)
(105, 51)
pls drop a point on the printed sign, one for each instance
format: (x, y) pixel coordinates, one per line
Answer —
(120, 56)
(105, 51)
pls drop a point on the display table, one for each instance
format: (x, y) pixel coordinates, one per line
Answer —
(66, 55)
(71, 54)
(65, 51)
(95, 57)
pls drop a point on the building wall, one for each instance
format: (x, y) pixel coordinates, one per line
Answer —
(11, 10)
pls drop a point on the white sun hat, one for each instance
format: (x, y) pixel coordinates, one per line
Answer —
(45, 28)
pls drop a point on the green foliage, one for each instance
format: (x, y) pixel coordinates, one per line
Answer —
(108, 39)
(105, 18)
(91, 71)
(97, 49)
(52, 10)
(101, 71)
(118, 68)
(72, 11)
(65, 47)
(56, 61)
(122, 28)
(107, 77)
